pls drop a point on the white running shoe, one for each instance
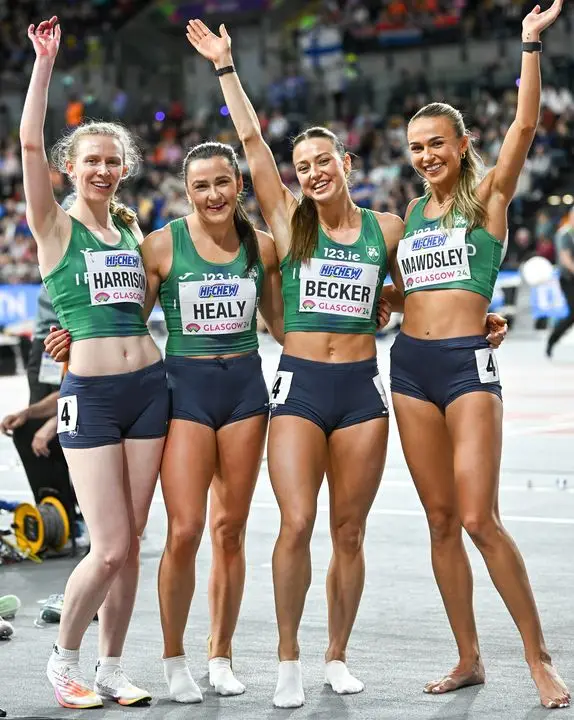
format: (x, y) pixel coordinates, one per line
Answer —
(116, 686)
(70, 686)
(6, 630)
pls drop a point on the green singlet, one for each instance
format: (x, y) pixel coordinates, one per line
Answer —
(434, 258)
(98, 290)
(338, 289)
(209, 308)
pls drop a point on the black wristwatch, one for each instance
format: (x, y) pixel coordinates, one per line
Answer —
(225, 70)
(531, 47)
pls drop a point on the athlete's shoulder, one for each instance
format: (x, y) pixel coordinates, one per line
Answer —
(266, 248)
(411, 206)
(392, 227)
(157, 243)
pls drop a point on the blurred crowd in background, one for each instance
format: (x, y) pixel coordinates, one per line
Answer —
(382, 179)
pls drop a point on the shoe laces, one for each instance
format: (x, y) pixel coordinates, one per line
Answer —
(74, 672)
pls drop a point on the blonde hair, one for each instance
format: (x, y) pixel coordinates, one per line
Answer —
(66, 150)
(466, 201)
(305, 220)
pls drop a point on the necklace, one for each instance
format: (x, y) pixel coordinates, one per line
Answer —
(444, 202)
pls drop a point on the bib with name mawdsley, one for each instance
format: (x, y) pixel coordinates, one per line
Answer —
(434, 257)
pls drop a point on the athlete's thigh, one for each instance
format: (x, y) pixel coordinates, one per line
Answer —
(142, 458)
(239, 452)
(474, 422)
(297, 461)
(97, 475)
(357, 457)
(187, 467)
(428, 451)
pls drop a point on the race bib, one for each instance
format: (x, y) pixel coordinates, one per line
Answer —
(50, 370)
(338, 288)
(217, 307)
(280, 388)
(486, 365)
(115, 276)
(68, 414)
(434, 257)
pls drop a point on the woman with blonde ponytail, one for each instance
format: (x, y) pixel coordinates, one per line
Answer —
(113, 406)
(444, 375)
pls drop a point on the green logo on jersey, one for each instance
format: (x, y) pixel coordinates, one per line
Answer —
(373, 253)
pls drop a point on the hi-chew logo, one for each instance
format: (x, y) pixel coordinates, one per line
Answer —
(219, 291)
(347, 272)
(122, 260)
(429, 241)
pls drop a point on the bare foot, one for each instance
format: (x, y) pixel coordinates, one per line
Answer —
(553, 691)
(458, 677)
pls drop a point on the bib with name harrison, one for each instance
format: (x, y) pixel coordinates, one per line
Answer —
(98, 290)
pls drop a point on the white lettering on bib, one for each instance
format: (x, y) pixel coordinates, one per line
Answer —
(434, 257)
(115, 276)
(217, 308)
(338, 288)
(50, 370)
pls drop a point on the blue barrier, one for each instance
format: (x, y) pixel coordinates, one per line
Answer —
(548, 301)
(18, 303)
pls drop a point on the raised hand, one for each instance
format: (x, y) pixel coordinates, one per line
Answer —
(46, 38)
(536, 21)
(212, 47)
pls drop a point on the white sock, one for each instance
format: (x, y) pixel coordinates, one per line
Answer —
(182, 687)
(340, 679)
(221, 677)
(289, 691)
(106, 666)
(64, 657)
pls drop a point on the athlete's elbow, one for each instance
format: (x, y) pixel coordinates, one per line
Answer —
(29, 146)
(250, 137)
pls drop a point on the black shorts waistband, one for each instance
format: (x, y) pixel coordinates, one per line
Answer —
(326, 366)
(142, 372)
(465, 341)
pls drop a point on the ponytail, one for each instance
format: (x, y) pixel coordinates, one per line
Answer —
(466, 201)
(304, 230)
(246, 233)
(125, 214)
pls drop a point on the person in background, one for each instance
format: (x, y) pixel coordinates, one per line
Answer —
(565, 261)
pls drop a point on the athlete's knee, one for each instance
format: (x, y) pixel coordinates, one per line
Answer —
(184, 537)
(444, 525)
(296, 530)
(348, 536)
(228, 534)
(112, 558)
(484, 529)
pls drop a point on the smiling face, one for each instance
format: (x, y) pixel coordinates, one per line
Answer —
(320, 169)
(213, 187)
(97, 167)
(436, 149)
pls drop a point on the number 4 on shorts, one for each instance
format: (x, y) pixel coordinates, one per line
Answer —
(67, 413)
(486, 365)
(281, 387)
